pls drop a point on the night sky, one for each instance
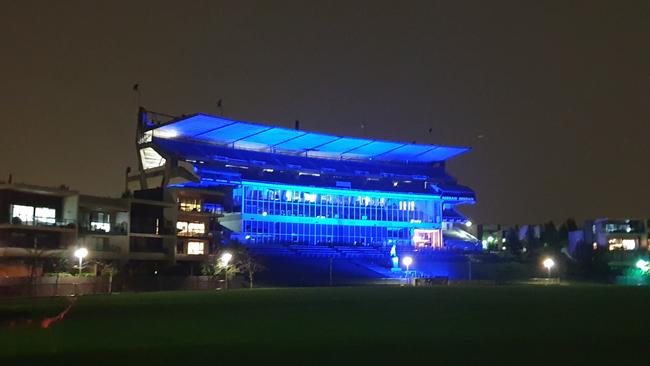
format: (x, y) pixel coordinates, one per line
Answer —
(553, 96)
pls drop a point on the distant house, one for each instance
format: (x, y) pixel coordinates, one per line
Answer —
(40, 225)
(611, 234)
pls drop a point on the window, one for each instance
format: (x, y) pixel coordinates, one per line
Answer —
(100, 226)
(190, 228)
(213, 208)
(24, 213)
(44, 215)
(190, 205)
(33, 215)
(195, 248)
(622, 244)
(100, 221)
(196, 228)
(294, 215)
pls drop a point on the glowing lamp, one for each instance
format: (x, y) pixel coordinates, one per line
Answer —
(468, 223)
(643, 265)
(548, 264)
(81, 253)
(225, 258)
(407, 261)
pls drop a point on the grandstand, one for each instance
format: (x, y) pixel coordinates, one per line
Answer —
(294, 193)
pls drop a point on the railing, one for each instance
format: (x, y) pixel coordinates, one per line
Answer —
(192, 234)
(206, 209)
(45, 222)
(115, 230)
(147, 248)
(105, 247)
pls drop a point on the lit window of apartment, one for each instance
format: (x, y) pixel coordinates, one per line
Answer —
(190, 205)
(190, 228)
(100, 221)
(33, 215)
(195, 248)
(622, 244)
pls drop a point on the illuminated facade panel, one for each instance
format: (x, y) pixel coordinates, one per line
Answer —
(281, 213)
(254, 136)
(150, 158)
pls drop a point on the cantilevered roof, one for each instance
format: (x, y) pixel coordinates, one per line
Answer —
(258, 137)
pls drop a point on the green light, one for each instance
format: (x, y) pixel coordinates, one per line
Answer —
(643, 265)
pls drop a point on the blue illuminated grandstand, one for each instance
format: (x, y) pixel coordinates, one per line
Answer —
(278, 186)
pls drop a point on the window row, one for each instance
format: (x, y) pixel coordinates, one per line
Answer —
(353, 207)
(280, 232)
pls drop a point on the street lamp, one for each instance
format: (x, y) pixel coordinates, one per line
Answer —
(407, 261)
(549, 263)
(81, 253)
(225, 258)
(643, 265)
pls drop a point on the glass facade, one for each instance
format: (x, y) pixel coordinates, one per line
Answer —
(309, 215)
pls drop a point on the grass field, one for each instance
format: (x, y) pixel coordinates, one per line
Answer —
(565, 325)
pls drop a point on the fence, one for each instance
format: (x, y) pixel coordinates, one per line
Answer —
(70, 285)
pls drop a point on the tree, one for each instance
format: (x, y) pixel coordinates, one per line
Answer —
(571, 224)
(242, 262)
(512, 239)
(215, 267)
(251, 265)
(550, 234)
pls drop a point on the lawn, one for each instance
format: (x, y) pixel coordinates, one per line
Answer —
(524, 325)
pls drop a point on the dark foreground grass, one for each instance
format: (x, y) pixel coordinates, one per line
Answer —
(569, 325)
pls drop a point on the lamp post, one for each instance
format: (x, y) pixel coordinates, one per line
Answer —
(549, 263)
(225, 258)
(81, 253)
(407, 261)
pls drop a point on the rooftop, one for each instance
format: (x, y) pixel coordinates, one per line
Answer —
(258, 137)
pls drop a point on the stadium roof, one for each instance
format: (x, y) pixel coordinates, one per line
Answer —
(258, 137)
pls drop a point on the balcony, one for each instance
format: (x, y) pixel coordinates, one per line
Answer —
(152, 227)
(192, 234)
(44, 222)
